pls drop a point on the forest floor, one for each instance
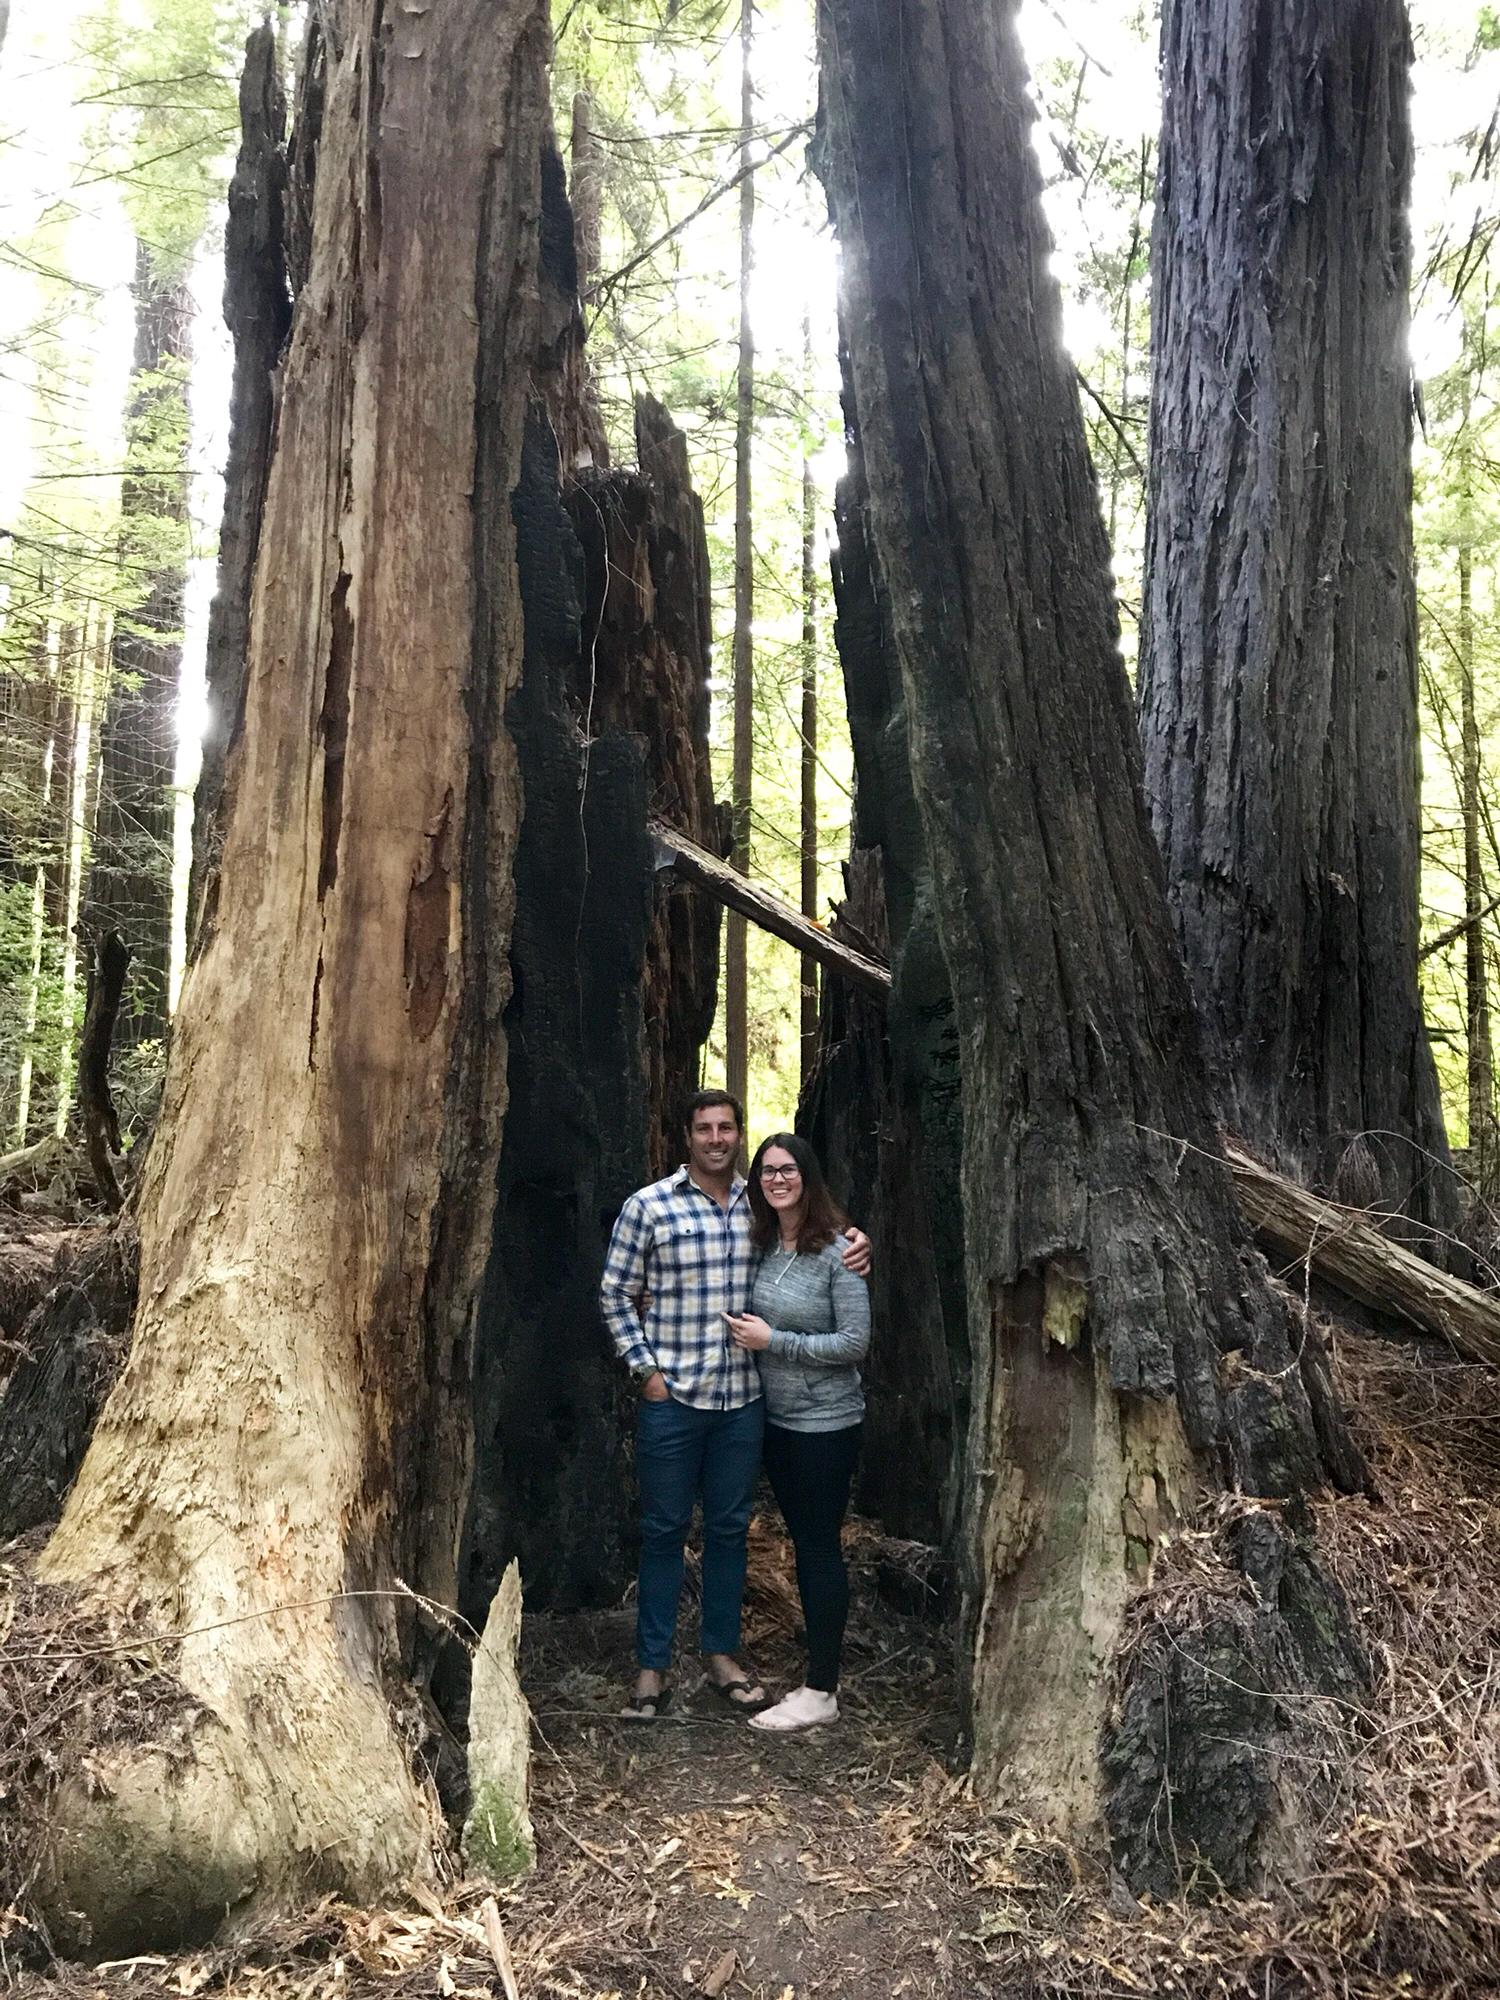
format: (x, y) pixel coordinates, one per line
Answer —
(697, 1856)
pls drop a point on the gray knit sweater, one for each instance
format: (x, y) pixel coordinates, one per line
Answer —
(819, 1315)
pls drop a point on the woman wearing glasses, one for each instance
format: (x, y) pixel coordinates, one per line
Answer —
(809, 1326)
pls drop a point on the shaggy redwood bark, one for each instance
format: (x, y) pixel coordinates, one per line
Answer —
(129, 886)
(1128, 1351)
(258, 312)
(289, 1444)
(1279, 682)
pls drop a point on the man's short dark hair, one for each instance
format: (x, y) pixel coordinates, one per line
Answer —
(705, 1100)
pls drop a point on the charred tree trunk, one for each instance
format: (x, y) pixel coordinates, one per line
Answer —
(1128, 1351)
(884, 1105)
(257, 311)
(71, 1345)
(130, 875)
(1279, 682)
(109, 959)
(654, 644)
(550, 1475)
(291, 1434)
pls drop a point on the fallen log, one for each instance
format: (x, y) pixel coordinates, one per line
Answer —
(1337, 1245)
(765, 908)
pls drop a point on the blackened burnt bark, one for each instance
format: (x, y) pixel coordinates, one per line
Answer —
(1279, 685)
(258, 313)
(72, 1346)
(649, 638)
(1128, 1351)
(613, 977)
(549, 1482)
(883, 1106)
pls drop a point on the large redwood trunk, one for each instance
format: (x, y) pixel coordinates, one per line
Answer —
(1279, 678)
(1129, 1355)
(289, 1444)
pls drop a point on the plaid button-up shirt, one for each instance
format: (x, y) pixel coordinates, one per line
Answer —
(694, 1258)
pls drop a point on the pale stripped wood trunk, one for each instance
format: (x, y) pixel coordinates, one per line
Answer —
(1128, 1352)
(292, 1427)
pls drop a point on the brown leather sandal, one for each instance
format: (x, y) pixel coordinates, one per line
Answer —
(746, 1696)
(646, 1707)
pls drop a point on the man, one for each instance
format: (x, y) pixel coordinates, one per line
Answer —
(684, 1242)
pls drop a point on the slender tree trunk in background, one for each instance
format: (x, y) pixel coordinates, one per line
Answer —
(1129, 1353)
(26, 700)
(809, 1042)
(257, 311)
(1279, 678)
(1117, 457)
(130, 873)
(93, 669)
(291, 1434)
(585, 187)
(736, 978)
(41, 827)
(1484, 1142)
(72, 668)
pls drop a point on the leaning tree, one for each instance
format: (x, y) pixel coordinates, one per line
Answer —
(287, 1448)
(1279, 675)
(1130, 1355)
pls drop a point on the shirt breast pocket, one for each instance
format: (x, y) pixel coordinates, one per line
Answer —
(682, 1248)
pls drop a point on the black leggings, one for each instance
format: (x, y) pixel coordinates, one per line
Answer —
(810, 1474)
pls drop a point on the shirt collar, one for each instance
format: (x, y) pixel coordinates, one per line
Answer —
(683, 1179)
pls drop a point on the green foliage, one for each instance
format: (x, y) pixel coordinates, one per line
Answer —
(165, 115)
(1457, 520)
(497, 1840)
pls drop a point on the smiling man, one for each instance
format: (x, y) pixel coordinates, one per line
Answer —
(684, 1243)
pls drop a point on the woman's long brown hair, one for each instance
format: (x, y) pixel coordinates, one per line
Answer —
(822, 1218)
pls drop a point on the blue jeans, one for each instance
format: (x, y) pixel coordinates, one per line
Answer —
(682, 1455)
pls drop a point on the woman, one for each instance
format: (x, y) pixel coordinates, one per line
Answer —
(809, 1326)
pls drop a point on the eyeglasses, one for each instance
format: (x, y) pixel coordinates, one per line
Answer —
(781, 1173)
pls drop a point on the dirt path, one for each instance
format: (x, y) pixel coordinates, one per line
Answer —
(840, 1862)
